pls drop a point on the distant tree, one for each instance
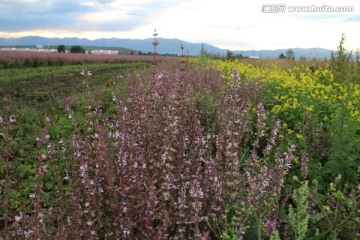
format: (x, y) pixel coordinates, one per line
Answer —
(203, 51)
(290, 54)
(229, 55)
(77, 49)
(240, 56)
(61, 48)
(140, 52)
(132, 53)
(281, 56)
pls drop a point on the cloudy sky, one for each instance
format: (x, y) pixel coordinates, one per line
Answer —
(229, 24)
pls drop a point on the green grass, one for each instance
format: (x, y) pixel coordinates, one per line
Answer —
(31, 95)
(44, 87)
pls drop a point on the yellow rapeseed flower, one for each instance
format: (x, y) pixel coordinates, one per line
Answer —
(299, 136)
(298, 90)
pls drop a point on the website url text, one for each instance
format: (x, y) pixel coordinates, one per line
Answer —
(282, 8)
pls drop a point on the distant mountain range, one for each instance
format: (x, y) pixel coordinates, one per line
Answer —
(166, 46)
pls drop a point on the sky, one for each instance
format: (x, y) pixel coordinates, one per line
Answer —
(228, 24)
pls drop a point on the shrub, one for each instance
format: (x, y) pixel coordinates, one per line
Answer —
(77, 49)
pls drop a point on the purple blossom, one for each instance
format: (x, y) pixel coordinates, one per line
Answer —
(271, 225)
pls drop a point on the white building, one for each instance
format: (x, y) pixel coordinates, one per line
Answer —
(104, 51)
(27, 49)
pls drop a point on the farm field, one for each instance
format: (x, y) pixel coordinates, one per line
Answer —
(196, 148)
(13, 59)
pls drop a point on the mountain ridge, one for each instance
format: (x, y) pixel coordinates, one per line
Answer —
(166, 46)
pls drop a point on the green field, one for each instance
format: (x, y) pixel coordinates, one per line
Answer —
(197, 149)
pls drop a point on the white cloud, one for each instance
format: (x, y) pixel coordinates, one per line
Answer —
(229, 24)
(104, 16)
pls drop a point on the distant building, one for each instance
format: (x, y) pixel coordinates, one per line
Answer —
(104, 51)
(12, 49)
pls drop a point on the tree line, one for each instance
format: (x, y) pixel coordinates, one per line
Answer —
(73, 49)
